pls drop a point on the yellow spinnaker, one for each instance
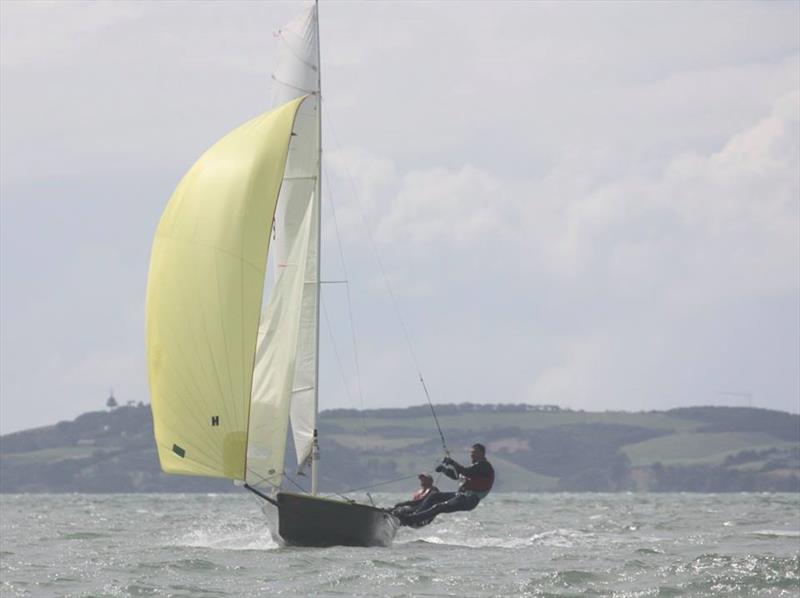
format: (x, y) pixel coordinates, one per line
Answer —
(204, 296)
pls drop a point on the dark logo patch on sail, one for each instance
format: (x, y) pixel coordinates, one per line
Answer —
(178, 450)
(215, 420)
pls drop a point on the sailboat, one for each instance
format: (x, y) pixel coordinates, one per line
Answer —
(229, 378)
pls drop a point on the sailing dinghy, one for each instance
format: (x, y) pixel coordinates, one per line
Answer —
(227, 378)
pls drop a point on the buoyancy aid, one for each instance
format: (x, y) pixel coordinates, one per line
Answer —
(479, 477)
(423, 492)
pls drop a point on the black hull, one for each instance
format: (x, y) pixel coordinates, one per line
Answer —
(305, 520)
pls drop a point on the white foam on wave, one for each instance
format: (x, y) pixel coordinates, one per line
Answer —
(777, 533)
(227, 536)
(557, 538)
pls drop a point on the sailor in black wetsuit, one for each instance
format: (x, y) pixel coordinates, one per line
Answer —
(478, 480)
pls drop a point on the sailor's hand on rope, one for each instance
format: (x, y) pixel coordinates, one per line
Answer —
(448, 461)
(439, 468)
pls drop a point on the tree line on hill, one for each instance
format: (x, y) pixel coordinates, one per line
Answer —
(114, 451)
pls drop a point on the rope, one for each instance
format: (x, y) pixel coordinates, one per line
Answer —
(336, 351)
(296, 485)
(284, 476)
(353, 337)
(386, 282)
(262, 479)
(436, 419)
(341, 495)
(408, 477)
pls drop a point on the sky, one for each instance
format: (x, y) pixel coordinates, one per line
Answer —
(594, 205)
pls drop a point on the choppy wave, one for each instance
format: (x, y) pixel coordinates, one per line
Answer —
(777, 533)
(545, 545)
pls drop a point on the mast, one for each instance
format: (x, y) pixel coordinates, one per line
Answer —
(318, 208)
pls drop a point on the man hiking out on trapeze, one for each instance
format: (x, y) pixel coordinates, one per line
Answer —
(478, 481)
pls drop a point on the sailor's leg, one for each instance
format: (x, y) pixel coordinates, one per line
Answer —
(419, 516)
(439, 506)
(460, 502)
(405, 509)
(434, 499)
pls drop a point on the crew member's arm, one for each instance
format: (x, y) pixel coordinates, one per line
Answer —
(478, 469)
(448, 469)
(450, 473)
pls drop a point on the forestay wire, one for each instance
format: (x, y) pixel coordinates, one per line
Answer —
(389, 289)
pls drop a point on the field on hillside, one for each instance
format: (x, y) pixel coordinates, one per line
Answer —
(533, 449)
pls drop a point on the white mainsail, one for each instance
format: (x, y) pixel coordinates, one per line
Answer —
(275, 367)
(297, 74)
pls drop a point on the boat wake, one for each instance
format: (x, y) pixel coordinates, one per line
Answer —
(564, 538)
(229, 537)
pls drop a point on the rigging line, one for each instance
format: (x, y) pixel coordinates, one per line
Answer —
(296, 485)
(408, 477)
(435, 418)
(280, 34)
(347, 290)
(311, 92)
(392, 296)
(335, 350)
(353, 336)
(261, 478)
(344, 378)
(283, 474)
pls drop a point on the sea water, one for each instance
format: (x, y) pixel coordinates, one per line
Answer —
(511, 545)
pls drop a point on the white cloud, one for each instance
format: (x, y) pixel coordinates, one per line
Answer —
(437, 205)
(654, 253)
(580, 202)
(741, 205)
(574, 380)
(730, 234)
(50, 34)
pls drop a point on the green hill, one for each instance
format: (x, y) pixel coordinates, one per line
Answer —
(539, 449)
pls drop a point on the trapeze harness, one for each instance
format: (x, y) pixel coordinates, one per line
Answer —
(423, 492)
(479, 478)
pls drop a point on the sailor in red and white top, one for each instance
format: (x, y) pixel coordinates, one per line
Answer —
(426, 487)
